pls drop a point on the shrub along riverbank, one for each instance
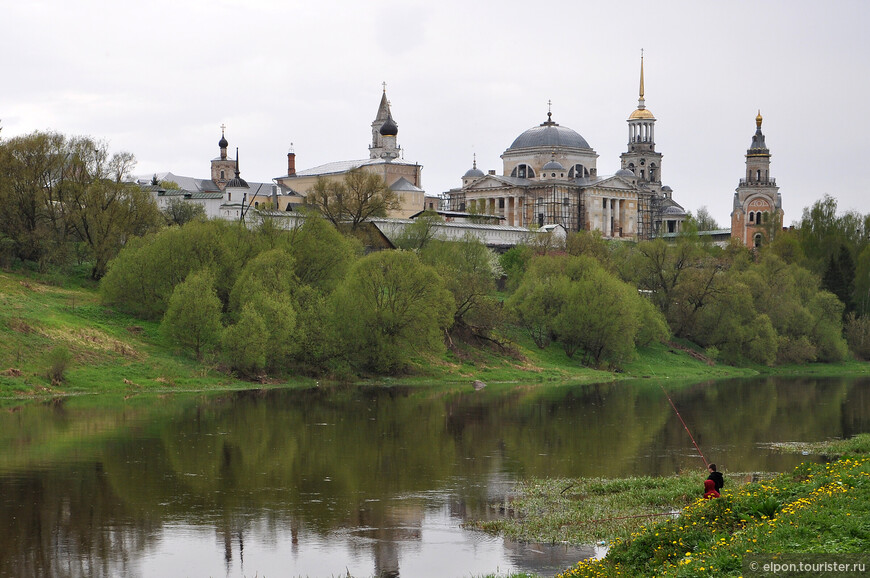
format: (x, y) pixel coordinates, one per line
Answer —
(816, 508)
(58, 339)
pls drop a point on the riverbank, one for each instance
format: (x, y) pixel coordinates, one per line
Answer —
(58, 339)
(818, 508)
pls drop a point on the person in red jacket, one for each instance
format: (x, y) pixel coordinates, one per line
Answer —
(710, 489)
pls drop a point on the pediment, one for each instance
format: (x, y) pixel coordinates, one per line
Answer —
(491, 182)
(614, 182)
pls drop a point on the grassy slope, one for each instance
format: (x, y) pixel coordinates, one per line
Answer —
(114, 352)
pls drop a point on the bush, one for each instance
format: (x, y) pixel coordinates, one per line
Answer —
(58, 362)
(858, 335)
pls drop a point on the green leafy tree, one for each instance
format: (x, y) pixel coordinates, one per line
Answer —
(352, 200)
(839, 277)
(179, 212)
(390, 306)
(467, 267)
(193, 318)
(244, 344)
(857, 331)
(704, 220)
(418, 234)
(323, 256)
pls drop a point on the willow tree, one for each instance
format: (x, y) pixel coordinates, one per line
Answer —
(353, 199)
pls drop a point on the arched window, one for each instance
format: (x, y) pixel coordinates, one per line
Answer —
(652, 171)
(523, 171)
(756, 240)
(751, 217)
(222, 175)
(577, 172)
(758, 176)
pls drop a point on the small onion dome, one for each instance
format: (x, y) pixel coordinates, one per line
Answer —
(642, 114)
(758, 119)
(553, 165)
(667, 189)
(223, 142)
(237, 182)
(625, 173)
(389, 128)
(473, 173)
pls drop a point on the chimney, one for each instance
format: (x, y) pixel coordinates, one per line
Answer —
(291, 163)
(492, 171)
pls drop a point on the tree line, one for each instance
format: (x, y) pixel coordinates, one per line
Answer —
(311, 300)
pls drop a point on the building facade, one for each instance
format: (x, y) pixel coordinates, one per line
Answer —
(757, 212)
(550, 177)
(385, 159)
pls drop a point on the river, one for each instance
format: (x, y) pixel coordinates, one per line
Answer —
(367, 481)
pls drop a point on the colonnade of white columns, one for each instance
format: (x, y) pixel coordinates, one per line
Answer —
(613, 214)
(511, 208)
(642, 132)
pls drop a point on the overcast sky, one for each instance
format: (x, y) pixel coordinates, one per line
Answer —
(158, 79)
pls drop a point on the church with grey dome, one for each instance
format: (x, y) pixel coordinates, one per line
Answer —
(550, 177)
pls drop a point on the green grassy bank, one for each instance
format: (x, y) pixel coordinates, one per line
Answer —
(49, 322)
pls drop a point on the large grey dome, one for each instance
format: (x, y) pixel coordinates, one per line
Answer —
(549, 134)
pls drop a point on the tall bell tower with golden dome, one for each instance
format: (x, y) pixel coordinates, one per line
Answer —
(641, 157)
(757, 212)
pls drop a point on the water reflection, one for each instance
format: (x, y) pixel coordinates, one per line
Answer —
(368, 481)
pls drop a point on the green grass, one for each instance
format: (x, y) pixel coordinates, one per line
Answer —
(589, 510)
(860, 444)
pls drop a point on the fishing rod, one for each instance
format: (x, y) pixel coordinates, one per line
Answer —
(706, 463)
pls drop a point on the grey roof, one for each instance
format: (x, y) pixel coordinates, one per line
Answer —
(549, 134)
(674, 210)
(186, 183)
(338, 167)
(624, 173)
(473, 173)
(405, 185)
(553, 166)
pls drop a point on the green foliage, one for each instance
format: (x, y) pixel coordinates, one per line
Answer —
(244, 344)
(576, 302)
(143, 276)
(322, 255)
(514, 262)
(178, 212)
(59, 359)
(857, 332)
(466, 267)
(419, 233)
(268, 284)
(65, 198)
(271, 274)
(704, 220)
(193, 318)
(839, 276)
(389, 306)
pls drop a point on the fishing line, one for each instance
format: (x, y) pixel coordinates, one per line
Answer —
(706, 463)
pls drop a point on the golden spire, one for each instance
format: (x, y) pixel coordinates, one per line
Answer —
(641, 73)
(758, 119)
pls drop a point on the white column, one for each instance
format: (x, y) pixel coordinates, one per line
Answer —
(608, 213)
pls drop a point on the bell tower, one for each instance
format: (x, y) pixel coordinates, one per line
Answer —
(757, 212)
(641, 157)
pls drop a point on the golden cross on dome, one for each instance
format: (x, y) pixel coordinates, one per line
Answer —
(385, 85)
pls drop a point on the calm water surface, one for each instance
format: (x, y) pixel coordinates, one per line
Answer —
(374, 482)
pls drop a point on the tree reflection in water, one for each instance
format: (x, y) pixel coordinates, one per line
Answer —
(376, 479)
